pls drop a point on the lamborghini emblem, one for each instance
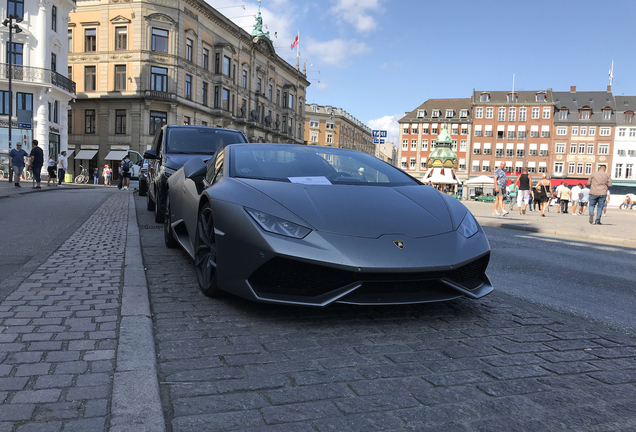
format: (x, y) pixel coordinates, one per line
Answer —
(399, 244)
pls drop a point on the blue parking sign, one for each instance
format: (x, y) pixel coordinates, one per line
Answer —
(383, 134)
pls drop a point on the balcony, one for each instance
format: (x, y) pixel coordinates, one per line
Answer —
(37, 75)
(154, 94)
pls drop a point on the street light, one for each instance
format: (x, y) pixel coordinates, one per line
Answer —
(8, 22)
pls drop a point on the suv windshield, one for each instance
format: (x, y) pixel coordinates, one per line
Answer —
(203, 140)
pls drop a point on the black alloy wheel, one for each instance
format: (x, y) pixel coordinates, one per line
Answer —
(168, 236)
(205, 253)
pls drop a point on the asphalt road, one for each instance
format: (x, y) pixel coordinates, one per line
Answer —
(588, 280)
(35, 224)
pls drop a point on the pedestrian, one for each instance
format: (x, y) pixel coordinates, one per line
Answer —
(16, 162)
(599, 181)
(61, 168)
(524, 180)
(512, 194)
(36, 161)
(125, 168)
(543, 194)
(606, 204)
(575, 198)
(500, 188)
(565, 198)
(96, 176)
(584, 200)
(52, 169)
(106, 172)
(530, 199)
(558, 196)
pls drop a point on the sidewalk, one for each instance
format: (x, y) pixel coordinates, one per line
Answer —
(76, 344)
(8, 188)
(618, 227)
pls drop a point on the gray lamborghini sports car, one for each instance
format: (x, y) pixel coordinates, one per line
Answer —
(308, 225)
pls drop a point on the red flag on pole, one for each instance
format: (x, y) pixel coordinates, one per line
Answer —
(295, 43)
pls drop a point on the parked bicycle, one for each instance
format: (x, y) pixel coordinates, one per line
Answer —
(83, 177)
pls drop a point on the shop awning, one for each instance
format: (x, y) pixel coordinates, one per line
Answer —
(116, 155)
(86, 154)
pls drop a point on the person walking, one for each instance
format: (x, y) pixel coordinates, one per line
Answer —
(524, 180)
(106, 172)
(543, 194)
(512, 194)
(599, 182)
(500, 188)
(37, 161)
(606, 204)
(16, 162)
(96, 176)
(584, 200)
(61, 168)
(557, 194)
(530, 199)
(125, 169)
(575, 198)
(52, 170)
(565, 198)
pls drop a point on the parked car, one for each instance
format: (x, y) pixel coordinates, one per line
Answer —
(175, 145)
(297, 224)
(143, 178)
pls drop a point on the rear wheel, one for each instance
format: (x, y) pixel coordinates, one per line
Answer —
(205, 253)
(623, 206)
(168, 236)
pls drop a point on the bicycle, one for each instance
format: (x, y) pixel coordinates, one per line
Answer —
(82, 178)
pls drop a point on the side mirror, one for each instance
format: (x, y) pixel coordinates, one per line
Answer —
(195, 169)
(150, 154)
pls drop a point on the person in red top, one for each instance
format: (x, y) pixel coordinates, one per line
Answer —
(599, 182)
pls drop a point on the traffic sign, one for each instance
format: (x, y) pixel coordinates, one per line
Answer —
(375, 133)
(376, 141)
(382, 141)
(382, 134)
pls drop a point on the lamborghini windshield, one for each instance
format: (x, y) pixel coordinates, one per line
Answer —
(200, 140)
(312, 165)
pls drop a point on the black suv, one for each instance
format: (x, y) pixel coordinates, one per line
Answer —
(175, 145)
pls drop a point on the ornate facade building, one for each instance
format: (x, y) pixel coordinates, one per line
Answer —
(140, 64)
(40, 89)
(624, 157)
(334, 127)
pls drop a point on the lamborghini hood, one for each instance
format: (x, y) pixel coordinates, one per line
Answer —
(363, 211)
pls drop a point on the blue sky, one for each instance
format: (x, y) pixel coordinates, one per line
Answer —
(378, 59)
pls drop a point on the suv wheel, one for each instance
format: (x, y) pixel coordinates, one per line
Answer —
(168, 237)
(159, 213)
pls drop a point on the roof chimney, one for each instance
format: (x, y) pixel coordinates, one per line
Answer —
(609, 88)
(572, 89)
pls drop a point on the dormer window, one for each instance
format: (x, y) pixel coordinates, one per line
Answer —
(435, 113)
(512, 97)
(450, 113)
(421, 113)
(629, 116)
(485, 97)
(585, 113)
(607, 114)
(563, 114)
(463, 113)
(540, 97)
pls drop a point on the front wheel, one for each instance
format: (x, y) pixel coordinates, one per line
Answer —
(79, 179)
(168, 236)
(205, 253)
(623, 206)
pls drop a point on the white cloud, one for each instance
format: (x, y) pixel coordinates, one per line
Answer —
(357, 13)
(336, 52)
(389, 124)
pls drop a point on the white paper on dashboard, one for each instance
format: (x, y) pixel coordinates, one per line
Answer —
(319, 180)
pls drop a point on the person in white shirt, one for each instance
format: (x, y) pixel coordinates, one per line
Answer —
(575, 197)
(558, 196)
(61, 168)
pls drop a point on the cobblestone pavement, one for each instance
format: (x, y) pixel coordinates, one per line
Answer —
(497, 364)
(60, 331)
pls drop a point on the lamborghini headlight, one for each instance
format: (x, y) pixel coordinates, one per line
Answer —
(277, 225)
(469, 226)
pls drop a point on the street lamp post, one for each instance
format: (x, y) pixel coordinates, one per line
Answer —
(8, 22)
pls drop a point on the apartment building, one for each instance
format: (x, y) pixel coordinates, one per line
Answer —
(584, 123)
(140, 64)
(624, 154)
(334, 127)
(40, 90)
(511, 126)
(418, 131)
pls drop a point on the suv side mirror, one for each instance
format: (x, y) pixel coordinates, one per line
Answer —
(195, 169)
(150, 154)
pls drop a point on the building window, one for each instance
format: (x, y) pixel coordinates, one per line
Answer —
(558, 167)
(120, 77)
(534, 133)
(540, 97)
(583, 131)
(158, 119)
(188, 86)
(434, 131)
(464, 129)
(502, 114)
(510, 151)
(121, 38)
(90, 78)
(585, 114)
(244, 82)
(54, 18)
(603, 149)
(521, 134)
(590, 148)
(4, 102)
(189, 49)
(629, 117)
(512, 97)
(54, 62)
(405, 144)
(226, 66)
(581, 148)
(89, 121)
(546, 113)
(512, 114)
(158, 79)
(563, 114)
(425, 129)
(414, 144)
(485, 97)
(462, 145)
(545, 133)
(415, 130)
(499, 151)
(90, 40)
(560, 148)
(621, 132)
(573, 148)
(592, 131)
(424, 144)
(70, 40)
(16, 53)
(450, 113)
(522, 114)
(620, 152)
(120, 121)
(535, 113)
(532, 151)
(225, 101)
(24, 101)
(475, 165)
(511, 134)
(69, 121)
(455, 130)
(486, 166)
(259, 83)
(56, 111)
(618, 171)
(15, 8)
(604, 131)
(435, 113)
(186, 121)
(405, 130)
(632, 132)
(629, 169)
(329, 136)
(571, 167)
(270, 93)
(489, 112)
(562, 130)
(607, 114)
(575, 130)
(204, 94)
(543, 169)
(588, 168)
(206, 59)
(159, 42)
(412, 163)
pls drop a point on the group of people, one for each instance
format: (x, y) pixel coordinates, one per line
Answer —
(580, 196)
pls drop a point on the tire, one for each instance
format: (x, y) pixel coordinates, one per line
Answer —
(633, 207)
(205, 253)
(159, 214)
(150, 204)
(623, 206)
(79, 179)
(168, 236)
